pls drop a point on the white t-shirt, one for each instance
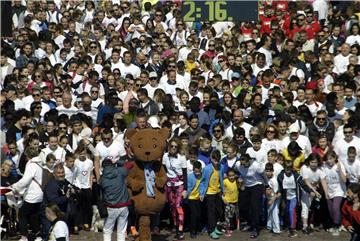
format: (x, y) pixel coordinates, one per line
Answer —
(113, 152)
(267, 145)
(174, 166)
(341, 147)
(252, 175)
(289, 184)
(70, 174)
(273, 184)
(336, 186)
(352, 169)
(60, 230)
(59, 154)
(260, 156)
(85, 168)
(314, 177)
(190, 166)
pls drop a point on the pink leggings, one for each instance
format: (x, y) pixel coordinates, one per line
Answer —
(174, 197)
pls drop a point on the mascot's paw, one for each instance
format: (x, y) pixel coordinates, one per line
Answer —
(160, 184)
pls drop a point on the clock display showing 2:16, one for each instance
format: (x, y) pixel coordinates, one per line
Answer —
(216, 9)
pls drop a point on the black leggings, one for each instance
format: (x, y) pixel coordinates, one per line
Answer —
(84, 212)
(195, 215)
(29, 214)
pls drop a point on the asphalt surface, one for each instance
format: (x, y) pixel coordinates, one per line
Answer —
(243, 236)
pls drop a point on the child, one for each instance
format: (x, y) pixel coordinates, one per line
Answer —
(273, 200)
(48, 169)
(313, 176)
(352, 166)
(70, 168)
(211, 187)
(272, 157)
(288, 181)
(83, 181)
(351, 211)
(231, 161)
(230, 198)
(335, 178)
(192, 158)
(194, 198)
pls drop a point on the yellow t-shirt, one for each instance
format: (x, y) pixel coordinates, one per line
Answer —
(214, 183)
(231, 191)
(195, 195)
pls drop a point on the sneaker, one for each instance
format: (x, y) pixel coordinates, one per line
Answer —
(38, 239)
(156, 231)
(228, 233)
(342, 229)
(254, 234)
(246, 228)
(330, 230)
(336, 232)
(306, 230)
(23, 239)
(217, 231)
(214, 235)
(292, 234)
(180, 236)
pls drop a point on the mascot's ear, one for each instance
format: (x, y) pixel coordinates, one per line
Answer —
(164, 132)
(130, 132)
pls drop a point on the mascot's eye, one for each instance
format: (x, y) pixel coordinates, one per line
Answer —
(140, 146)
(154, 145)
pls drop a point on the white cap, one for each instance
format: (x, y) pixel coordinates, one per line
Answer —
(294, 128)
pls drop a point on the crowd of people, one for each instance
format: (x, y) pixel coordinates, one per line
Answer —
(263, 117)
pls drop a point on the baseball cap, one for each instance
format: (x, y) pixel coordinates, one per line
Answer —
(235, 75)
(153, 75)
(294, 128)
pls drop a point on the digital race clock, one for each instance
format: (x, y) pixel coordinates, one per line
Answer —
(219, 11)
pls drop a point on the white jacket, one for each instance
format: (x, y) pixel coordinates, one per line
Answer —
(30, 189)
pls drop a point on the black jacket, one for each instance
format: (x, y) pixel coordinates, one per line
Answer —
(55, 192)
(315, 129)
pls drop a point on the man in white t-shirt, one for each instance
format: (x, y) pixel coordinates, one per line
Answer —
(107, 148)
(341, 146)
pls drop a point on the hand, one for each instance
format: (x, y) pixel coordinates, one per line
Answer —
(312, 194)
(356, 206)
(68, 193)
(201, 199)
(327, 197)
(184, 194)
(270, 202)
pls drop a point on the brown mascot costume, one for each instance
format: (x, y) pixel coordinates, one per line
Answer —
(147, 178)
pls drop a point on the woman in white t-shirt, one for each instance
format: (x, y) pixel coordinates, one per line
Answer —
(313, 176)
(59, 230)
(176, 169)
(83, 181)
(335, 179)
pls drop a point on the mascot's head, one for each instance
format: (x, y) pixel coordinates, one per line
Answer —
(147, 144)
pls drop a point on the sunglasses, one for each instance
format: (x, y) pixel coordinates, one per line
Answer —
(62, 128)
(174, 146)
(137, 85)
(153, 78)
(211, 45)
(35, 95)
(301, 19)
(158, 15)
(217, 130)
(270, 131)
(38, 107)
(348, 132)
(93, 47)
(172, 66)
(320, 118)
(94, 91)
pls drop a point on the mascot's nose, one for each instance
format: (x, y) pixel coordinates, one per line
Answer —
(147, 153)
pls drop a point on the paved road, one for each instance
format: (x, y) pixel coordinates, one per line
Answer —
(243, 236)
